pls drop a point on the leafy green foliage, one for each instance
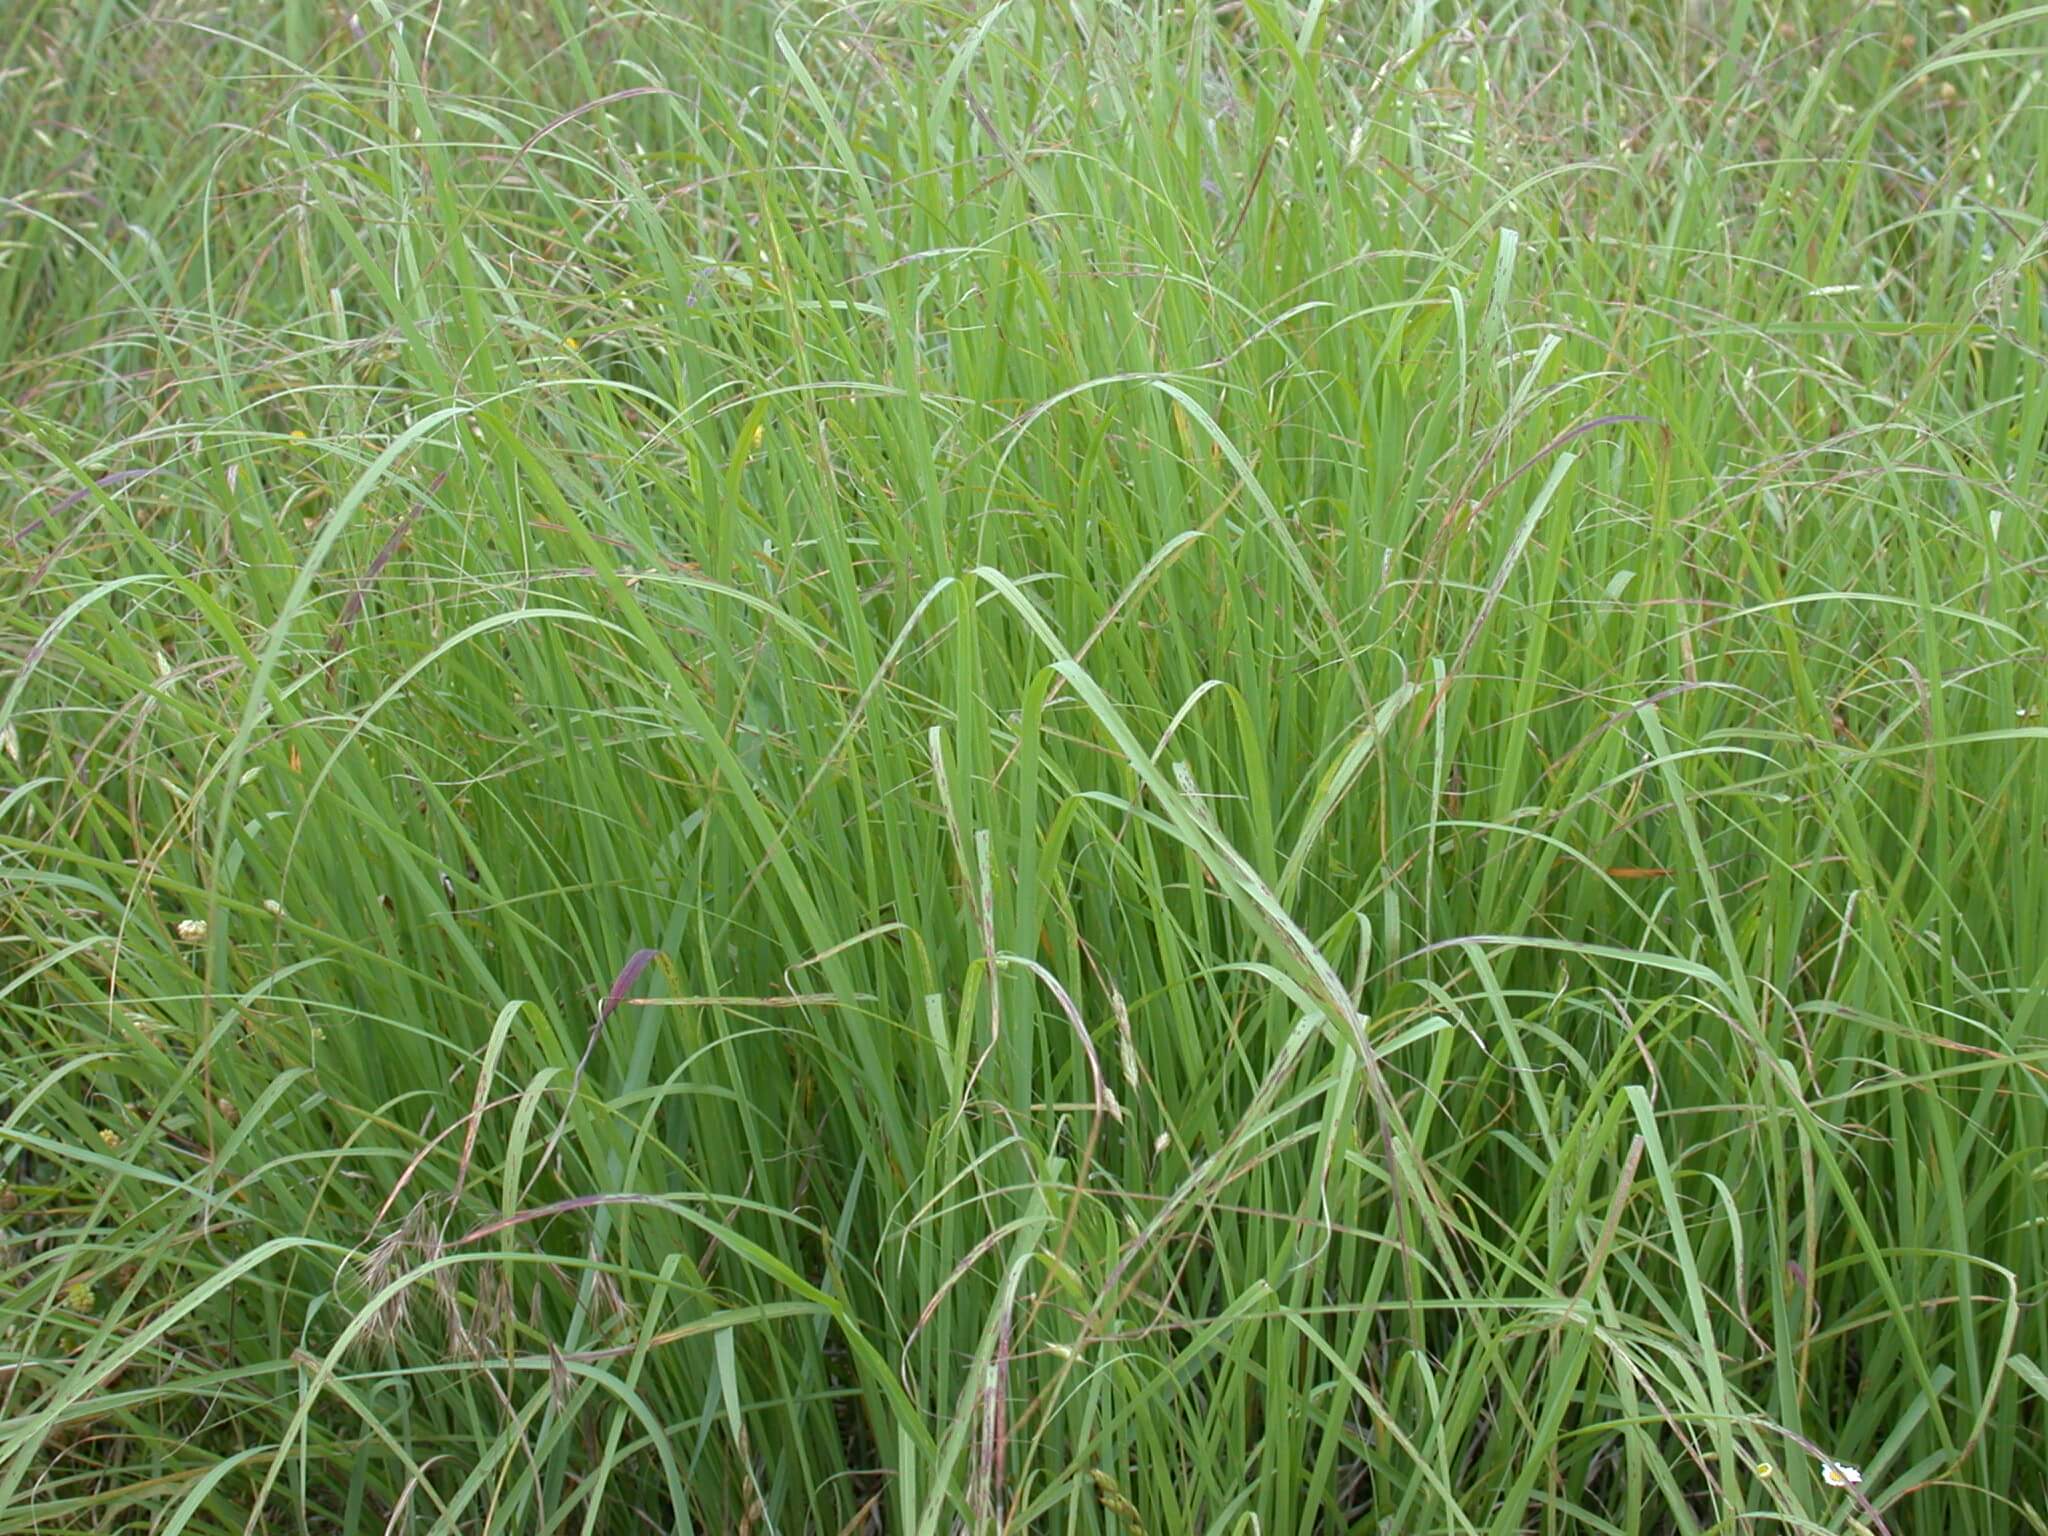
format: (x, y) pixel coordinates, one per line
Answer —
(1099, 768)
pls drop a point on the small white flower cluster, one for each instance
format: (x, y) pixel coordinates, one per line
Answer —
(1839, 1474)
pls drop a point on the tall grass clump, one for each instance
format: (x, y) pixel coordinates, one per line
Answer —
(1086, 767)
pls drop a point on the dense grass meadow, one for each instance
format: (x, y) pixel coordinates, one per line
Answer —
(1023, 766)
